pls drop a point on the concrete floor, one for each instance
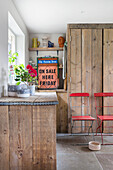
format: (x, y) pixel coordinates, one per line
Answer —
(71, 156)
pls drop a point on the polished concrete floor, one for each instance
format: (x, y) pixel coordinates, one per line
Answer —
(71, 156)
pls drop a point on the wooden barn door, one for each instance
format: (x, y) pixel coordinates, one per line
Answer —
(84, 70)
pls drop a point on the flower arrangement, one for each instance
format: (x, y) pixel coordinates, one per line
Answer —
(29, 76)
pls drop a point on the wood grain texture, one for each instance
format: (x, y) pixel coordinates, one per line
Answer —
(91, 67)
(62, 113)
(44, 137)
(96, 71)
(4, 138)
(108, 75)
(90, 26)
(85, 70)
(46, 49)
(68, 77)
(76, 76)
(38, 97)
(20, 125)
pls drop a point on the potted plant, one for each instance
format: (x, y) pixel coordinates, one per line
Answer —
(28, 77)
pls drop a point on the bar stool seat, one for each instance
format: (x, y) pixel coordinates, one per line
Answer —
(83, 118)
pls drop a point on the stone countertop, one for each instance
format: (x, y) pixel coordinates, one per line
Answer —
(40, 98)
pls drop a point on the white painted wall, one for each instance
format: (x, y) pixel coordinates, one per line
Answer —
(52, 16)
(5, 6)
(20, 49)
(51, 37)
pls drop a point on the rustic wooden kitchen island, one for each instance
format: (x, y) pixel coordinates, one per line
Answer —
(28, 132)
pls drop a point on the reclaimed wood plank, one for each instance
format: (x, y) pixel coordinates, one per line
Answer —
(44, 137)
(46, 49)
(38, 97)
(108, 75)
(20, 125)
(76, 76)
(68, 77)
(96, 71)
(4, 138)
(86, 71)
(62, 113)
(91, 68)
(90, 26)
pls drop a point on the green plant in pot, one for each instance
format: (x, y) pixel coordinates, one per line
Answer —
(28, 77)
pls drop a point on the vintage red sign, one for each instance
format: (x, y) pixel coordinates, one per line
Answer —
(47, 73)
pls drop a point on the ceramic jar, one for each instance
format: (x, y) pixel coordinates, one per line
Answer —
(44, 42)
(61, 41)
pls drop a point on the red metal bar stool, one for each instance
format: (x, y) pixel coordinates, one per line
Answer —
(82, 117)
(102, 118)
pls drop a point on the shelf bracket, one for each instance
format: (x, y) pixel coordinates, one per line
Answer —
(57, 52)
(37, 52)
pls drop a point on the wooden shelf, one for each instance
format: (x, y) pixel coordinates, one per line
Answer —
(57, 90)
(46, 49)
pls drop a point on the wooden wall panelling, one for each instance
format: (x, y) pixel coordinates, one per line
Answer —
(86, 69)
(44, 137)
(96, 71)
(4, 138)
(91, 67)
(108, 75)
(62, 113)
(20, 126)
(75, 83)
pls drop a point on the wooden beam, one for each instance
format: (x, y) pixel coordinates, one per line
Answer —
(90, 26)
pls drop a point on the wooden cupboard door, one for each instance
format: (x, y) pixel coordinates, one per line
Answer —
(92, 68)
(108, 76)
(84, 72)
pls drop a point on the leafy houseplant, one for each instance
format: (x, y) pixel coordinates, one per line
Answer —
(29, 77)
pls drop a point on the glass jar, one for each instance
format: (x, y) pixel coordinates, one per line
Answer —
(44, 42)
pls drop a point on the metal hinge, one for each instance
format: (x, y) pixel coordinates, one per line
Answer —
(70, 38)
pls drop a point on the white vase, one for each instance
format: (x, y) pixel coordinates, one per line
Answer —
(32, 90)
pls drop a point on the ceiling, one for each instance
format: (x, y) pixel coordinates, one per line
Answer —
(52, 16)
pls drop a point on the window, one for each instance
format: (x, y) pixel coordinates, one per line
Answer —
(11, 48)
(11, 41)
(16, 43)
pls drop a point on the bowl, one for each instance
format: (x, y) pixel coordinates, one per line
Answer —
(94, 145)
(12, 90)
(23, 93)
